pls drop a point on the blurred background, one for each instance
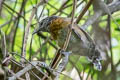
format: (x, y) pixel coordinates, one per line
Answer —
(14, 17)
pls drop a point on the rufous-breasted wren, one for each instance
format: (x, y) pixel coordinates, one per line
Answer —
(80, 42)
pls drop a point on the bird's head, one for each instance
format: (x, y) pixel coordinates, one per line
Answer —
(44, 24)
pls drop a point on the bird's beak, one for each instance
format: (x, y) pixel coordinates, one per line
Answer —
(36, 30)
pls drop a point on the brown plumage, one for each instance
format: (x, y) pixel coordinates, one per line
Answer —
(80, 42)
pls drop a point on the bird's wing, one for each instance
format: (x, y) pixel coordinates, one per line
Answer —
(82, 34)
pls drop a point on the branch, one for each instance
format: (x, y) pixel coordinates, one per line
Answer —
(5, 5)
(4, 52)
(2, 25)
(61, 8)
(1, 1)
(83, 11)
(28, 28)
(113, 7)
(55, 62)
(11, 72)
(56, 8)
(65, 59)
(49, 41)
(26, 69)
(67, 40)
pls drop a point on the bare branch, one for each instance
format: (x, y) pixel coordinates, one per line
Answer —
(83, 11)
(28, 68)
(1, 1)
(113, 7)
(28, 28)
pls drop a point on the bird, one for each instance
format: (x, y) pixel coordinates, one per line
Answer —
(80, 42)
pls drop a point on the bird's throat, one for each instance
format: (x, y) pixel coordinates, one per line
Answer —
(56, 25)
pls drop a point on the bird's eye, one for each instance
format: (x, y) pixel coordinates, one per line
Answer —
(41, 23)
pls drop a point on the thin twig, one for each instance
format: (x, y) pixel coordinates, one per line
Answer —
(6, 23)
(35, 75)
(113, 71)
(4, 44)
(17, 23)
(26, 69)
(49, 41)
(61, 8)
(1, 1)
(70, 30)
(39, 50)
(113, 7)
(10, 71)
(32, 35)
(28, 28)
(67, 39)
(76, 8)
(83, 11)
(68, 35)
(56, 8)
(34, 64)
(14, 11)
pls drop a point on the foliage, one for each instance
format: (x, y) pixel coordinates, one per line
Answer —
(15, 15)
